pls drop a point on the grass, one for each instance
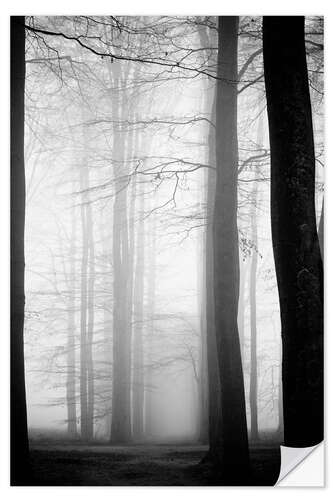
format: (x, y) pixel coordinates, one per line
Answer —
(76, 464)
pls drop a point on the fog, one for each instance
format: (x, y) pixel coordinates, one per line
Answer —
(119, 149)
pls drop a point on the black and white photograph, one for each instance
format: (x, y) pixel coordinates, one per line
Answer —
(166, 247)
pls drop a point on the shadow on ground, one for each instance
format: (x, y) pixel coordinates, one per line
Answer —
(140, 465)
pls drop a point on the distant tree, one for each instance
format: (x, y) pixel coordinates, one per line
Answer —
(121, 379)
(150, 313)
(71, 358)
(138, 305)
(297, 257)
(253, 297)
(19, 473)
(83, 307)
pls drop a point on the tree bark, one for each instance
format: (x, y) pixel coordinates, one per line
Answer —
(19, 457)
(296, 249)
(233, 454)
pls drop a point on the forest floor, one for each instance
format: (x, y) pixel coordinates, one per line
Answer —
(139, 465)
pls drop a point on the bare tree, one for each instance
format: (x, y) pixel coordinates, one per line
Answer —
(20, 473)
(295, 240)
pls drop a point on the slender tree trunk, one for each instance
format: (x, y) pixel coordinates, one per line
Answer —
(121, 380)
(19, 457)
(151, 302)
(214, 388)
(138, 368)
(90, 324)
(105, 232)
(241, 305)
(233, 454)
(203, 397)
(253, 298)
(296, 249)
(131, 151)
(71, 361)
(83, 310)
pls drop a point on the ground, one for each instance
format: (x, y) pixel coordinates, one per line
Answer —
(138, 465)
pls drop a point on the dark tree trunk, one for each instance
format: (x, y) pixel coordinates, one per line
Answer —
(297, 257)
(19, 458)
(233, 454)
(242, 304)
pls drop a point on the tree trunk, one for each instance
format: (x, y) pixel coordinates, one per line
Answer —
(253, 299)
(296, 249)
(233, 454)
(83, 310)
(151, 300)
(19, 457)
(121, 380)
(214, 388)
(106, 235)
(90, 324)
(242, 304)
(203, 430)
(209, 378)
(71, 362)
(138, 368)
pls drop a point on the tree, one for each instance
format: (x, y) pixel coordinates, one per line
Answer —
(296, 249)
(121, 400)
(138, 298)
(253, 298)
(150, 312)
(83, 307)
(71, 358)
(233, 454)
(91, 320)
(19, 461)
(209, 374)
